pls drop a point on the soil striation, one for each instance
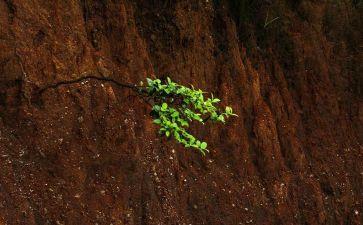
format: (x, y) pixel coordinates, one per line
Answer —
(85, 151)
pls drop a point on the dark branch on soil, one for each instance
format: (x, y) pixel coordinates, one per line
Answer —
(140, 90)
(88, 77)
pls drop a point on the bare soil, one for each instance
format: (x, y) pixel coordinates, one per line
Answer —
(85, 151)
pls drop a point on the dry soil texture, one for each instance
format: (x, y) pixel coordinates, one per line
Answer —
(85, 151)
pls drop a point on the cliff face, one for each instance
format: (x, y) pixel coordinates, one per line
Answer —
(87, 152)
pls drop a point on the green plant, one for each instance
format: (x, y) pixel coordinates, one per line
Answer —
(175, 106)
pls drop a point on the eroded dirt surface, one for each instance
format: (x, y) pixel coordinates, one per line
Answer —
(87, 152)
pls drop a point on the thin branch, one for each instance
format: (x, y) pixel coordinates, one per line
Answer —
(138, 89)
(88, 77)
(206, 119)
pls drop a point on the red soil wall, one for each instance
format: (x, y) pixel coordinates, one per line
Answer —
(88, 153)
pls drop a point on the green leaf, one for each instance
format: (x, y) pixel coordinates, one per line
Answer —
(228, 110)
(157, 121)
(176, 134)
(156, 108)
(168, 123)
(203, 145)
(216, 100)
(149, 81)
(175, 114)
(162, 130)
(221, 118)
(164, 106)
(167, 133)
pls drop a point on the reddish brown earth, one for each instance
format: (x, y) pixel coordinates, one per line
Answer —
(87, 152)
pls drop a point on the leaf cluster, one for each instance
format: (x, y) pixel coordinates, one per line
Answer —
(175, 106)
